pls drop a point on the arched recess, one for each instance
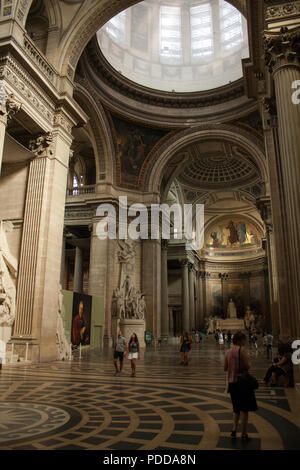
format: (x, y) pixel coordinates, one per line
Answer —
(104, 147)
(154, 172)
(43, 16)
(91, 15)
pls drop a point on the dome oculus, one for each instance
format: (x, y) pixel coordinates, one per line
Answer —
(177, 46)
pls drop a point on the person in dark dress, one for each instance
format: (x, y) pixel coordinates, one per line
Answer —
(185, 347)
(236, 362)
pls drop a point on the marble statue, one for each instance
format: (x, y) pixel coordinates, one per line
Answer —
(127, 302)
(127, 251)
(63, 346)
(231, 310)
(8, 275)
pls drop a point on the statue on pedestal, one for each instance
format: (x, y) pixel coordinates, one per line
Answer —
(231, 310)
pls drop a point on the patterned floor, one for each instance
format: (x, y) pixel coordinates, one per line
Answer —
(81, 405)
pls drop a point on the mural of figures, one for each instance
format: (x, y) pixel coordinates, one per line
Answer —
(233, 234)
(133, 143)
(81, 319)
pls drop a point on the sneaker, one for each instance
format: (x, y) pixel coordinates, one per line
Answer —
(246, 438)
(233, 435)
(116, 373)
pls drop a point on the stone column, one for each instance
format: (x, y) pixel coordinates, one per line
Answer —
(171, 323)
(192, 296)
(164, 290)
(282, 57)
(273, 323)
(101, 274)
(185, 296)
(151, 284)
(8, 108)
(40, 254)
(63, 260)
(78, 271)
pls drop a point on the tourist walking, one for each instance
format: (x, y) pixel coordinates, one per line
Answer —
(134, 352)
(119, 352)
(185, 347)
(242, 394)
(221, 339)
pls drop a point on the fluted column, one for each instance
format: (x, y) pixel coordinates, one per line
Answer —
(78, 271)
(101, 273)
(192, 296)
(185, 296)
(151, 284)
(164, 290)
(282, 58)
(273, 322)
(171, 323)
(40, 254)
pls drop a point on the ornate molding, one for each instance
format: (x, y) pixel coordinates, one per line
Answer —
(106, 73)
(281, 11)
(9, 106)
(282, 48)
(19, 80)
(42, 146)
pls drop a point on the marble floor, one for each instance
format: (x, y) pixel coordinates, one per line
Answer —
(81, 405)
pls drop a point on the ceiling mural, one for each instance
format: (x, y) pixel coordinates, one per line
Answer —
(133, 144)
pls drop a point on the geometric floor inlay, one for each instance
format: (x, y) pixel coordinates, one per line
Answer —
(80, 405)
(25, 420)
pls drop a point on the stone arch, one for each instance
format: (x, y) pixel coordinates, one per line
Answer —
(105, 152)
(228, 132)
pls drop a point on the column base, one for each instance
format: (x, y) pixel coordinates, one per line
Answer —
(107, 341)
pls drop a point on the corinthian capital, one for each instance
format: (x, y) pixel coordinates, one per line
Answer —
(9, 106)
(282, 47)
(41, 146)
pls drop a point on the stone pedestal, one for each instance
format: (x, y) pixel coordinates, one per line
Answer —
(232, 324)
(129, 326)
(5, 354)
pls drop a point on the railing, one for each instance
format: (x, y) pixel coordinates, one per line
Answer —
(81, 190)
(39, 59)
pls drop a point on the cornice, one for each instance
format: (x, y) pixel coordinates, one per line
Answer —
(161, 108)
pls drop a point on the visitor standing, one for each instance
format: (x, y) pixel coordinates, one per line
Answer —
(119, 352)
(185, 347)
(243, 399)
(134, 352)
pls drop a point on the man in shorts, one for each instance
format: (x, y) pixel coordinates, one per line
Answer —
(119, 352)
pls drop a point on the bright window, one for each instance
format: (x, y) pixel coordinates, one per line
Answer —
(116, 28)
(170, 33)
(231, 26)
(202, 35)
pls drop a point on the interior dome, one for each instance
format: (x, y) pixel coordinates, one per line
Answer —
(171, 45)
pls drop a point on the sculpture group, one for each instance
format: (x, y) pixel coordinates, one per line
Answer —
(8, 274)
(127, 301)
